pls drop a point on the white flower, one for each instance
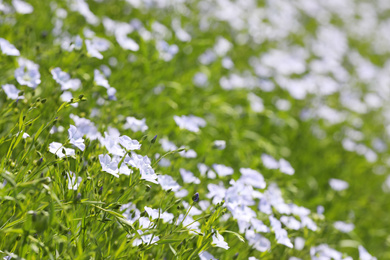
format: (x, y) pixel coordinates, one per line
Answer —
(82, 7)
(188, 154)
(28, 73)
(64, 79)
(167, 52)
(338, 185)
(216, 192)
(206, 256)
(222, 46)
(92, 50)
(11, 91)
(256, 103)
(143, 164)
(111, 142)
(285, 167)
(75, 137)
(156, 213)
(269, 161)
(280, 233)
(58, 148)
(108, 165)
(167, 145)
(22, 7)
(135, 124)
(223, 170)
(100, 79)
(299, 243)
(364, 255)
(167, 183)
(7, 48)
(290, 222)
(131, 212)
(252, 177)
(67, 97)
(200, 79)
(309, 223)
(259, 226)
(85, 127)
(191, 123)
(72, 183)
(128, 143)
(323, 251)
(188, 177)
(121, 31)
(343, 226)
(256, 240)
(220, 144)
(153, 213)
(219, 241)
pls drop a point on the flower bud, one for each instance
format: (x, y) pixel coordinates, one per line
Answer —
(195, 198)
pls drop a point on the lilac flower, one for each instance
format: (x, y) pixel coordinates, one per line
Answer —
(108, 165)
(128, 143)
(338, 185)
(252, 177)
(204, 255)
(343, 226)
(220, 144)
(22, 7)
(28, 73)
(73, 182)
(67, 97)
(191, 123)
(75, 137)
(219, 241)
(299, 243)
(269, 161)
(100, 79)
(290, 222)
(257, 241)
(223, 170)
(131, 212)
(364, 255)
(7, 48)
(168, 183)
(11, 91)
(92, 51)
(285, 167)
(58, 148)
(188, 177)
(64, 79)
(143, 164)
(135, 124)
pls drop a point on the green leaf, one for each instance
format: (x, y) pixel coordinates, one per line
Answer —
(168, 241)
(234, 233)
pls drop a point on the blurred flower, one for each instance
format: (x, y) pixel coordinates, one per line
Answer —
(338, 185)
(191, 123)
(188, 177)
(11, 91)
(7, 48)
(135, 124)
(64, 79)
(220, 144)
(22, 7)
(343, 226)
(28, 74)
